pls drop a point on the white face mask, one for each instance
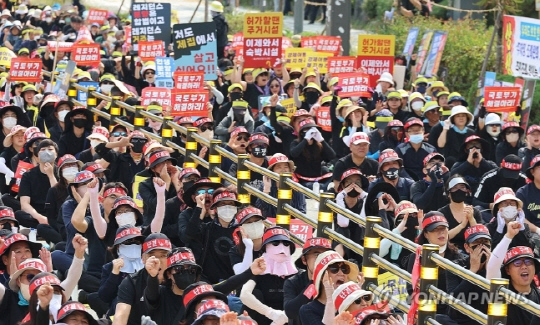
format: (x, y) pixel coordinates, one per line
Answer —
(94, 143)
(417, 105)
(208, 134)
(9, 122)
(125, 219)
(106, 89)
(62, 115)
(509, 212)
(254, 230)
(493, 134)
(130, 251)
(55, 305)
(227, 212)
(48, 20)
(512, 137)
(81, 190)
(69, 173)
(25, 291)
(155, 125)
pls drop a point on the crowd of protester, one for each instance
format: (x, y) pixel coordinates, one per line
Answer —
(104, 222)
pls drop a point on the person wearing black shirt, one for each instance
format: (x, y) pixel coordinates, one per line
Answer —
(415, 150)
(391, 172)
(428, 193)
(529, 194)
(79, 124)
(452, 134)
(394, 134)
(510, 141)
(533, 146)
(359, 145)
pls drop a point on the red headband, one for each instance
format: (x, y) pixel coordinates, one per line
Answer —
(127, 232)
(197, 291)
(53, 280)
(180, 256)
(114, 190)
(157, 244)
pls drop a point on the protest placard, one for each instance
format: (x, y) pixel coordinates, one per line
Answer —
(330, 44)
(97, 16)
(164, 67)
(263, 35)
(28, 70)
(434, 56)
(422, 50)
(354, 84)
(151, 22)
(501, 99)
(375, 66)
(195, 48)
(188, 80)
(62, 46)
(86, 54)
(82, 96)
(155, 94)
(324, 119)
(150, 50)
(189, 102)
(296, 57)
(319, 60)
(341, 64)
(5, 56)
(376, 45)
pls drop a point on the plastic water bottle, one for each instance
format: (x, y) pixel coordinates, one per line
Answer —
(317, 188)
(32, 236)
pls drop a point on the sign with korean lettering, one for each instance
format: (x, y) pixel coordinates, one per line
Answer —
(330, 44)
(195, 48)
(164, 67)
(375, 66)
(97, 16)
(150, 22)
(189, 103)
(5, 56)
(309, 42)
(296, 57)
(238, 39)
(188, 80)
(263, 35)
(422, 50)
(354, 84)
(127, 32)
(155, 94)
(323, 118)
(82, 96)
(22, 168)
(86, 54)
(435, 54)
(521, 47)
(319, 60)
(298, 228)
(396, 286)
(376, 45)
(28, 70)
(149, 50)
(341, 64)
(410, 42)
(62, 46)
(501, 99)
(289, 105)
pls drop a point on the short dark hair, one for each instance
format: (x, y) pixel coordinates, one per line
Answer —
(76, 19)
(47, 143)
(113, 185)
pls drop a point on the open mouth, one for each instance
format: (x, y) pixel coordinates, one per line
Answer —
(441, 238)
(339, 282)
(524, 275)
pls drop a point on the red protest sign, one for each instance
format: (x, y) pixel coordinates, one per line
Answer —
(323, 118)
(22, 168)
(309, 42)
(28, 70)
(331, 44)
(97, 16)
(150, 50)
(86, 54)
(188, 80)
(238, 40)
(375, 66)
(156, 94)
(354, 84)
(298, 228)
(189, 103)
(501, 99)
(127, 31)
(263, 35)
(286, 43)
(62, 46)
(341, 64)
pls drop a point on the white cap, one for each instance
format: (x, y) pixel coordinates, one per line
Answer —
(386, 76)
(493, 118)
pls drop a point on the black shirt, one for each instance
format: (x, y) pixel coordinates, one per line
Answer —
(459, 239)
(35, 184)
(131, 292)
(293, 295)
(69, 143)
(368, 167)
(312, 313)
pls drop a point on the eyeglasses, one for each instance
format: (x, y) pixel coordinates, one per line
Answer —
(285, 243)
(119, 134)
(182, 269)
(334, 268)
(203, 191)
(30, 277)
(242, 137)
(149, 72)
(366, 298)
(204, 128)
(519, 262)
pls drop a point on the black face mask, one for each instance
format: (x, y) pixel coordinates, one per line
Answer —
(184, 279)
(137, 146)
(311, 97)
(391, 173)
(353, 193)
(458, 196)
(79, 122)
(236, 96)
(259, 151)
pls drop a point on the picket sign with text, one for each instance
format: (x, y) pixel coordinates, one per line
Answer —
(189, 102)
(97, 16)
(188, 80)
(28, 70)
(501, 99)
(354, 84)
(296, 57)
(324, 119)
(150, 22)
(298, 228)
(330, 44)
(263, 37)
(86, 54)
(62, 46)
(376, 55)
(22, 168)
(5, 57)
(319, 60)
(195, 48)
(150, 50)
(155, 94)
(341, 64)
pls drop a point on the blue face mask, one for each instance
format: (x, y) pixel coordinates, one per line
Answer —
(421, 89)
(341, 119)
(416, 138)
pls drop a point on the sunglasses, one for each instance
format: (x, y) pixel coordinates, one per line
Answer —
(132, 241)
(512, 131)
(242, 137)
(107, 82)
(274, 86)
(366, 298)
(185, 270)
(397, 129)
(334, 269)
(203, 191)
(285, 243)
(204, 128)
(149, 72)
(30, 277)
(487, 246)
(119, 134)
(527, 261)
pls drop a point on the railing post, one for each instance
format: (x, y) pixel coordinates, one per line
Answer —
(72, 92)
(372, 244)
(284, 196)
(326, 216)
(214, 160)
(497, 307)
(166, 130)
(243, 176)
(91, 101)
(138, 120)
(191, 148)
(429, 274)
(115, 110)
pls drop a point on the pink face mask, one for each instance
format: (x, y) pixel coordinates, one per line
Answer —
(278, 260)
